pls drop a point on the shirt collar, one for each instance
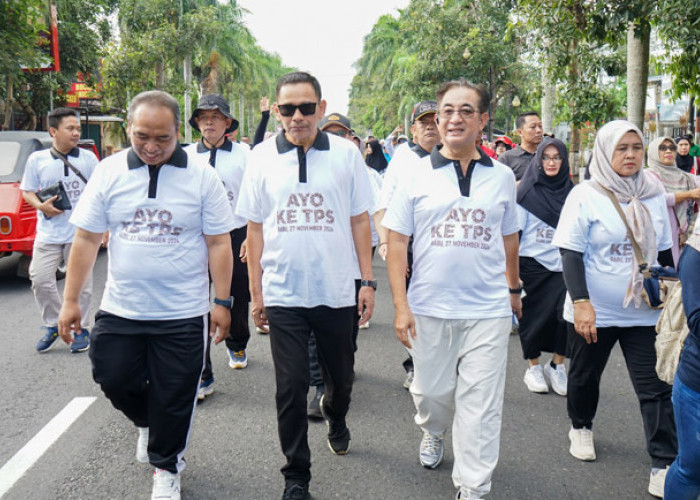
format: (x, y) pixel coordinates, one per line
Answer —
(520, 151)
(226, 146)
(418, 149)
(75, 152)
(321, 143)
(437, 160)
(178, 159)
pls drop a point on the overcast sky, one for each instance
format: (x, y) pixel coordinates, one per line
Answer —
(320, 36)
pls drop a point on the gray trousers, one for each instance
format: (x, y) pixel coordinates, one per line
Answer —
(42, 272)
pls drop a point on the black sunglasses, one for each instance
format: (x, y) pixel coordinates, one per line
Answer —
(307, 108)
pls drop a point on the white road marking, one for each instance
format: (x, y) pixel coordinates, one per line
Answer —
(23, 460)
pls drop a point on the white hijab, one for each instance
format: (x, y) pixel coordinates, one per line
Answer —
(631, 190)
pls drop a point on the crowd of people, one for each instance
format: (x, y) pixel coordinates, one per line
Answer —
(285, 230)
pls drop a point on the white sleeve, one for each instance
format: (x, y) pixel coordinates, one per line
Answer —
(90, 213)
(217, 216)
(522, 217)
(511, 222)
(399, 215)
(30, 179)
(249, 204)
(572, 229)
(397, 166)
(664, 241)
(363, 199)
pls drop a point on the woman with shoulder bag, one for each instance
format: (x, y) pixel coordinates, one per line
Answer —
(683, 478)
(682, 189)
(604, 302)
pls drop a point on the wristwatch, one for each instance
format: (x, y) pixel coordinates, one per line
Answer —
(372, 283)
(227, 303)
(516, 291)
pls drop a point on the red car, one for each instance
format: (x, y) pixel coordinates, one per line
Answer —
(17, 217)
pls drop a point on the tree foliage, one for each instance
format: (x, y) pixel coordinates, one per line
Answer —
(136, 45)
(406, 56)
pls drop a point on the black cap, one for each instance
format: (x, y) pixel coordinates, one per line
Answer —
(213, 101)
(423, 108)
(335, 119)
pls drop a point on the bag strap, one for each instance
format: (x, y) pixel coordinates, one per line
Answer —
(68, 164)
(643, 265)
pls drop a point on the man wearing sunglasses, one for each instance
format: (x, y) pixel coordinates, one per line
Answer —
(306, 196)
(212, 117)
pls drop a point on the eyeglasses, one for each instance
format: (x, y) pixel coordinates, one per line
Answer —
(663, 148)
(307, 109)
(547, 159)
(340, 133)
(464, 113)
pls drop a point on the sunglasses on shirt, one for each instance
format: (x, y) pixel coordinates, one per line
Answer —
(307, 109)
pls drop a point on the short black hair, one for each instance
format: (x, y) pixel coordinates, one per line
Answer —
(299, 77)
(520, 120)
(484, 97)
(57, 115)
(155, 98)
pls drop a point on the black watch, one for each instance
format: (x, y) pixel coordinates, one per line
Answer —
(372, 283)
(227, 303)
(515, 291)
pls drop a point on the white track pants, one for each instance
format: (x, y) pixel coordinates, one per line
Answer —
(460, 371)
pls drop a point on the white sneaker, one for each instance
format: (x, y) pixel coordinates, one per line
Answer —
(534, 380)
(657, 478)
(166, 485)
(557, 378)
(142, 445)
(432, 450)
(410, 375)
(582, 444)
(364, 326)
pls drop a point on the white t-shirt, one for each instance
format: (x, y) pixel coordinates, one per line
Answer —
(158, 258)
(375, 181)
(230, 163)
(307, 257)
(590, 224)
(459, 259)
(400, 166)
(536, 241)
(43, 170)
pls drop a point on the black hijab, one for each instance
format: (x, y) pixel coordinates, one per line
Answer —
(685, 163)
(376, 159)
(541, 195)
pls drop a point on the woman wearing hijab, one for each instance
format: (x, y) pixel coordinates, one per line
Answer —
(541, 195)
(374, 157)
(683, 478)
(684, 160)
(682, 189)
(604, 304)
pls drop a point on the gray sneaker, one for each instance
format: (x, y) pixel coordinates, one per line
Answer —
(432, 450)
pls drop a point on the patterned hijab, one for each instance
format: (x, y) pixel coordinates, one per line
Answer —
(631, 190)
(674, 180)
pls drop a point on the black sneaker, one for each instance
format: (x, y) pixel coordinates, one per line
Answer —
(338, 433)
(314, 409)
(296, 491)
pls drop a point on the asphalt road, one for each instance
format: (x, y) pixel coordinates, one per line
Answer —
(234, 452)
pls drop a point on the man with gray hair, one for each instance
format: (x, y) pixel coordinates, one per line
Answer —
(168, 216)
